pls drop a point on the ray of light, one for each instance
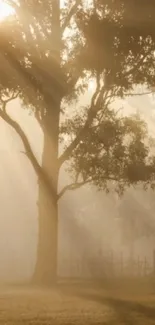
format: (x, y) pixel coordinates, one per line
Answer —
(5, 10)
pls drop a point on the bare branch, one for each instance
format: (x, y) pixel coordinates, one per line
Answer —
(77, 185)
(139, 94)
(73, 186)
(131, 94)
(6, 101)
(28, 150)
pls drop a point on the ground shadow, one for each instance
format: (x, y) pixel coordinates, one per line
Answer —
(126, 311)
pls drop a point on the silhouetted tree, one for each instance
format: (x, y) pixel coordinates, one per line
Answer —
(48, 55)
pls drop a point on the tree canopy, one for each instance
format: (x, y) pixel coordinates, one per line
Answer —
(49, 54)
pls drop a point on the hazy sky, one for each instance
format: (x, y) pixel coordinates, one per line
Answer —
(18, 195)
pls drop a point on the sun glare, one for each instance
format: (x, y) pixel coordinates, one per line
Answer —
(5, 10)
(92, 85)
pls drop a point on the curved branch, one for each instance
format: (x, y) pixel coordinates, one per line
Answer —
(76, 185)
(28, 150)
(73, 186)
(151, 92)
(139, 94)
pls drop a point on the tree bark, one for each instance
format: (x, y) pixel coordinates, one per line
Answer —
(46, 263)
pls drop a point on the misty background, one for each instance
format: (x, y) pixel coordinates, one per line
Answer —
(89, 221)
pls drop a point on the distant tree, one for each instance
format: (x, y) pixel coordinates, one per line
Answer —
(136, 220)
(49, 54)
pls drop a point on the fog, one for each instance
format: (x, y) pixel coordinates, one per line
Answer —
(88, 221)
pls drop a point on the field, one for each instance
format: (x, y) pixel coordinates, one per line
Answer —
(117, 303)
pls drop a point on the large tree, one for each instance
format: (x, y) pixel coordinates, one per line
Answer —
(49, 53)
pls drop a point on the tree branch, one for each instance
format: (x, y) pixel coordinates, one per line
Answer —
(73, 186)
(77, 185)
(139, 94)
(6, 101)
(94, 109)
(28, 150)
(38, 118)
(70, 15)
(132, 94)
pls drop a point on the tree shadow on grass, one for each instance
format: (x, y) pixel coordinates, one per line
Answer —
(132, 313)
(126, 312)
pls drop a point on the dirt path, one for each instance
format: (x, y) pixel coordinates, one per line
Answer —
(55, 307)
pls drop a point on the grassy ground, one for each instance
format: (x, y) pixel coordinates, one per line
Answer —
(108, 303)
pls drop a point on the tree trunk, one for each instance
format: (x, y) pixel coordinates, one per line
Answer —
(46, 264)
